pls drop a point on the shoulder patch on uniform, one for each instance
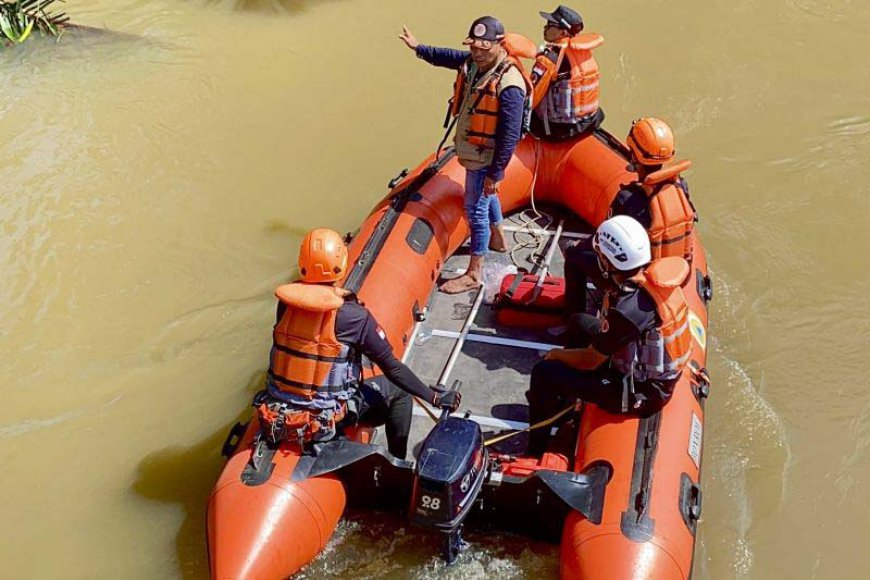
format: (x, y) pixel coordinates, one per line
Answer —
(381, 333)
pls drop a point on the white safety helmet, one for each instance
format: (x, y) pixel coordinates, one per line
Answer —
(623, 242)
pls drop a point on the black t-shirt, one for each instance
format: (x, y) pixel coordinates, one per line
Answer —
(633, 202)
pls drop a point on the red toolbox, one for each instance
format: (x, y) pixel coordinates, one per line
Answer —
(518, 306)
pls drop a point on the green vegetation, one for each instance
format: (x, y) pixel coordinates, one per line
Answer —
(19, 19)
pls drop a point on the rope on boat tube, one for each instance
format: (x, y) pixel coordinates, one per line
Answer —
(529, 225)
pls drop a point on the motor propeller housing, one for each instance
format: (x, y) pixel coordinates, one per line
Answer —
(449, 474)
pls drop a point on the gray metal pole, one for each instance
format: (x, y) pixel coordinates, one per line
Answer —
(457, 346)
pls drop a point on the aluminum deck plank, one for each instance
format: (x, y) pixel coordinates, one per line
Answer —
(495, 377)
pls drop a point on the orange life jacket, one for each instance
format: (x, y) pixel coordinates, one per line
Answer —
(567, 100)
(663, 352)
(672, 214)
(482, 100)
(308, 366)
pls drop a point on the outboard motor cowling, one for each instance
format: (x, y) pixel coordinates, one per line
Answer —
(449, 475)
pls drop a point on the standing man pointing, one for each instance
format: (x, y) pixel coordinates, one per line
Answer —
(488, 104)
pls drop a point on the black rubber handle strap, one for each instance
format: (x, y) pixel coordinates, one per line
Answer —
(518, 278)
(385, 226)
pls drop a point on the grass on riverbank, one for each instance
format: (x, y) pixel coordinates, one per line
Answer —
(21, 18)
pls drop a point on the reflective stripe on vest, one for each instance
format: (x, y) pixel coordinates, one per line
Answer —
(568, 100)
(308, 366)
(672, 221)
(662, 352)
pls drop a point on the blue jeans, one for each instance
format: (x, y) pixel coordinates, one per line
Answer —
(481, 211)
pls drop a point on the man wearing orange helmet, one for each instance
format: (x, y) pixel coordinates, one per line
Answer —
(321, 340)
(659, 200)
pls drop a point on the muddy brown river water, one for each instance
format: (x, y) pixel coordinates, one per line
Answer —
(154, 188)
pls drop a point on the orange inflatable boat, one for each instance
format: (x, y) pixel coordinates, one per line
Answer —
(620, 493)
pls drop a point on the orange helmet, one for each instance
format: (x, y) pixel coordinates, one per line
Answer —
(651, 141)
(322, 257)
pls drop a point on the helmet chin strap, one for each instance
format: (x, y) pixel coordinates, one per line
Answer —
(607, 274)
(622, 286)
(603, 264)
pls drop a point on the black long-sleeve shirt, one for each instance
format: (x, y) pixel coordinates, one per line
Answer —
(633, 201)
(356, 327)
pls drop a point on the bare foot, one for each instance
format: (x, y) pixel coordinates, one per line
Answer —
(497, 241)
(463, 283)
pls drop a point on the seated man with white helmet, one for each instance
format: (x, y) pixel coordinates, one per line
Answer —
(632, 354)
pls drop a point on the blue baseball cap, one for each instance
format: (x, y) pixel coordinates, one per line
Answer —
(485, 28)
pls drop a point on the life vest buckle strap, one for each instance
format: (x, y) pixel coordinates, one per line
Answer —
(282, 422)
(300, 437)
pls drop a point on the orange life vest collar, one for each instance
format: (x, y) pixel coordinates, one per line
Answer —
(519, 46)
(586, 41)
(309, 297)
(668, 272)
(582, 42)
(669, 173)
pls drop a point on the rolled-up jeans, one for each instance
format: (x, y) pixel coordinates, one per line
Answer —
(481, 211)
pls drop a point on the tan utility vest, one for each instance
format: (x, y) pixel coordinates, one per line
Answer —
(477, 156)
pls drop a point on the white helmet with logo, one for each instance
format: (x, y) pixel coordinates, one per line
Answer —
(623, 242)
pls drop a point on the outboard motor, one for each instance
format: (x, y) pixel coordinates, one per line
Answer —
(449, 475)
